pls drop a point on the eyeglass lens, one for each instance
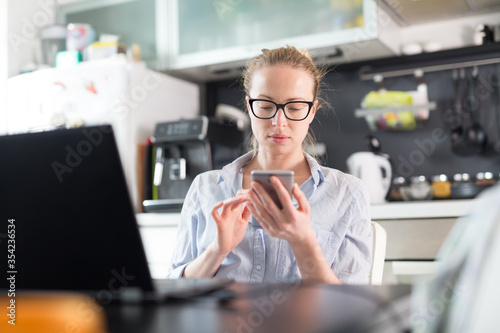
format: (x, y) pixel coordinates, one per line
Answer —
(294, 110)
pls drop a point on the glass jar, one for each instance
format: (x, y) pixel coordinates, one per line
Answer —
(485, 178)
(460, 178)
(463, 187)
(395, 192)
(441, 186)
(420, 189)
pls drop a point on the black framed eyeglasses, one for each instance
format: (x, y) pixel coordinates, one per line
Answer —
(265, 109)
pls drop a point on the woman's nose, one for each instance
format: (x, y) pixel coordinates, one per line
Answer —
(279, 118)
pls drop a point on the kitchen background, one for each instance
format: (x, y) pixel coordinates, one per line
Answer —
(201, 46)
(413, 152)
(338, 128)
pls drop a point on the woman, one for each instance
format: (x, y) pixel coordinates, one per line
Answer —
(231, 228)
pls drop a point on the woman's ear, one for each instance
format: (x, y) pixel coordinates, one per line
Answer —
(248, 104)
(313, 110)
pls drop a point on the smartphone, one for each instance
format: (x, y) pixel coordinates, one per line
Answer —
(263, 177)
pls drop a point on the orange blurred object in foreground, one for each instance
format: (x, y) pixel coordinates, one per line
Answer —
(44, 312)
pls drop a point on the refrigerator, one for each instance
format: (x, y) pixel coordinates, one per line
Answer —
(116, 91)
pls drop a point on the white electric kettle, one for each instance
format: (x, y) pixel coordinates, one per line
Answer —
(375, 170)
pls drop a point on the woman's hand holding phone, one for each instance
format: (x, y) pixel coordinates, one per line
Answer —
(288, 223)
(270, 201)
(263, 178)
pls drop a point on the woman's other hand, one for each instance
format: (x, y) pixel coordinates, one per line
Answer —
(231, 222)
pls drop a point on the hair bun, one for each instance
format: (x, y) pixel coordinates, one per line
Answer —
(305, 53)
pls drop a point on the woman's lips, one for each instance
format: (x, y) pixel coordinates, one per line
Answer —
(279, 138)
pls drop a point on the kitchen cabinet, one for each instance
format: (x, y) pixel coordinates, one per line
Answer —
(133, 20)
(415, 233)
(232, 31)
(206, 39)
(159, 233)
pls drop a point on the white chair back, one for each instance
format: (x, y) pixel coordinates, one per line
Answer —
(378, 253)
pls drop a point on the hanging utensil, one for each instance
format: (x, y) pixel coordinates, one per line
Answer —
(457, 132)
(476, 136)
(468, 138)
(495, 110)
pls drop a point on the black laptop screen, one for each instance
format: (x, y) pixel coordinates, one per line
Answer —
(65, 203)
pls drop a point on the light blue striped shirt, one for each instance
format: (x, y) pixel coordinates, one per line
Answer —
(340, 217)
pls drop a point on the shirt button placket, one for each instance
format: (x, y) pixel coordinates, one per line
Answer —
(259, 256)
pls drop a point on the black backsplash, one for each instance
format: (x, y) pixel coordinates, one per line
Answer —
(423, 151)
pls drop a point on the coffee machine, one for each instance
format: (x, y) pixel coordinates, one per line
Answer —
(180, 151)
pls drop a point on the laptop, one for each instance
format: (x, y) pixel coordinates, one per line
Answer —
(67, 221)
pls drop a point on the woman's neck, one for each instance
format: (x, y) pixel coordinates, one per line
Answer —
(265, 161)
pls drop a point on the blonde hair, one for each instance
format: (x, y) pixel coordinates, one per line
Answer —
(288, 56)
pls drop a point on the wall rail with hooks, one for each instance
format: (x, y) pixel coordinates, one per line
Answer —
(428, 69)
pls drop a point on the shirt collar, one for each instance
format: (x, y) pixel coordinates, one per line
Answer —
(229, 171)
(316, 173)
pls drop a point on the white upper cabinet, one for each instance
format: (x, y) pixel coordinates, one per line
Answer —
(205, 33)
(133, 20)
(201, 38)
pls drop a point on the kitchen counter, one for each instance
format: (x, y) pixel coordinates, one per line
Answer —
(158, 219)
(415, 231)
(421, 209)
(387, 211)
(159, 236)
